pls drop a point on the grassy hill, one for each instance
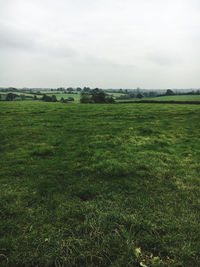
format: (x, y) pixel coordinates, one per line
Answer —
(99, 185)
(178, 98)
(168, 98)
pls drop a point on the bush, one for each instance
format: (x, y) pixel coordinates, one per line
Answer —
(62, 100)
(11, 97)
(85, 98)
(96, 96)
(110, 100)
(70, 99)
(47, 98)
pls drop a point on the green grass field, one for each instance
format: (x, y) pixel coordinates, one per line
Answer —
(99, 185)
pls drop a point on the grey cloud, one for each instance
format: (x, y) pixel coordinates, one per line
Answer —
(164, 58)
(13, 38)
(54, 49)
(107, 43)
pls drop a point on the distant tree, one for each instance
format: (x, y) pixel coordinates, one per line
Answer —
(98, 96)
(110, 100)
(10, 97)
(139, 95)
(12, 89)
(47, 98)
(137, 91)
(70, 89)
(60, 89)
(86, 89)
(169, 92)
(70, 99)
(152, 94)
(132, 95)
(62, 100)
(35, 97)
(22, 97)
(53, 98)
(43, 97)
(85, 98)
(78, 89)
(198, 92)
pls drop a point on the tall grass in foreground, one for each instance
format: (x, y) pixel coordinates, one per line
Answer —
(99, 185)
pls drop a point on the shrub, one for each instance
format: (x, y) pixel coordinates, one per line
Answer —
(47, 98)
(70, 99)
(11, 97)
(96, 96)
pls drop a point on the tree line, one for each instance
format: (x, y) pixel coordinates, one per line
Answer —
(96, 96)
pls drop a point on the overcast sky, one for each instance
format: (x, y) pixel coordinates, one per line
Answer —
(100, 43)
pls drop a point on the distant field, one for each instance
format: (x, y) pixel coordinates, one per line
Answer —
(178, 98)
(57, 94)
(77, 97)
(115, 94)
(3, 95)
(51, 92)
(17, 93)
(99, 185)
(65, 96)
(167, 98)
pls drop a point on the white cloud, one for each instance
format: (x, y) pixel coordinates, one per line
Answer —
(103, 43)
